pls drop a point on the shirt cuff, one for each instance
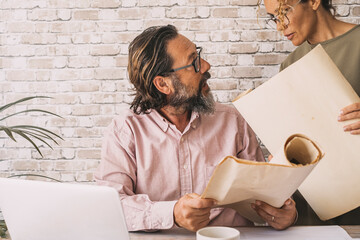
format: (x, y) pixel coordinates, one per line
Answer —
(162, 215)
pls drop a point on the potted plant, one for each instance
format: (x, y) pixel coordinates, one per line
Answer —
(29, 132)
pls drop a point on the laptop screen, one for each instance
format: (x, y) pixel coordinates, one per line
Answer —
(35, 210)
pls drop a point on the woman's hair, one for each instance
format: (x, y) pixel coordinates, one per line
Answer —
(148, 58)
(326, 4)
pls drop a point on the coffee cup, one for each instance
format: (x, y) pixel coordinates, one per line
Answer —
(217, 233)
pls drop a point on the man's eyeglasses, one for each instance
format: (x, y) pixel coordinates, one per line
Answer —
(196, 63)
(281, 17)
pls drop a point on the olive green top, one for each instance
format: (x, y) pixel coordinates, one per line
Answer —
(344, 50)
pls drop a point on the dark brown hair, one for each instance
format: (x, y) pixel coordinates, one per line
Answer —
(148, 58)
(327, 5)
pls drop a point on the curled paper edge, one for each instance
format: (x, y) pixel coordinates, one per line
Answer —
(294, 141)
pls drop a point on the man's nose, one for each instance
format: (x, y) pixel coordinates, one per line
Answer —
(205, 66)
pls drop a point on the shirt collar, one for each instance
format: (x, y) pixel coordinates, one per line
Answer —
(164, 124)
(194, 119)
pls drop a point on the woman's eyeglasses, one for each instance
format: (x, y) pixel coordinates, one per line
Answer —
(281, 17)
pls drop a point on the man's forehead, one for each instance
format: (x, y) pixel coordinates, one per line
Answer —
(180, 44)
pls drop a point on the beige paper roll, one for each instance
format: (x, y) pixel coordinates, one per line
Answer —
(237, 183)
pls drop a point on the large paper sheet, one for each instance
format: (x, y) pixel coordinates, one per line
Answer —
(237, 183)
(306, 98)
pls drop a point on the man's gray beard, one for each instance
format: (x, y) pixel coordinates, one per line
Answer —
(183, 102)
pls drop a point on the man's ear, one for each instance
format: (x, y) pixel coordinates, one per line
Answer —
(162, 84)
(315, 4)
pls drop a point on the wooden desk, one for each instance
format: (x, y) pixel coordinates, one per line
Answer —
(353, 231)
(182, 234)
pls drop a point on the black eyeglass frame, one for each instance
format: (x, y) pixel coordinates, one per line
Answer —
(275, 20)
(196, 68)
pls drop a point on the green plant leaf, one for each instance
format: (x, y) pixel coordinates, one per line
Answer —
(39, 137)
(39, 133)
(33, 175)
(19, 101)
(31, 110)
(8, 132)
(27, 138)
(38, 128)
(3, 229)
(29, 131)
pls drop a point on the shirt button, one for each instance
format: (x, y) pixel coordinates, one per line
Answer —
(182, 139)
(185, 167)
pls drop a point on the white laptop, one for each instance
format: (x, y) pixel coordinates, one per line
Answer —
(35, 210)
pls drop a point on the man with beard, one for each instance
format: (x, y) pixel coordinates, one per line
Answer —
(160, 154)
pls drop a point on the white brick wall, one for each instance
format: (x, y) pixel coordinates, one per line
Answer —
(76, 52)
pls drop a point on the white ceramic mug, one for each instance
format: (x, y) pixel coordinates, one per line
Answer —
(217, 233)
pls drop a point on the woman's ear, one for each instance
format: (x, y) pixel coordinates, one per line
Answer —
(315, 4)
(162, 84)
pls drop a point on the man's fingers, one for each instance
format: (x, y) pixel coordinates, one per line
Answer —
(200, 203)
(203, 223)
(201, 212)
(193, 195)
(192, 212)
(193, 222)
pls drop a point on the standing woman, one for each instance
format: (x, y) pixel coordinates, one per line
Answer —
(307, 23)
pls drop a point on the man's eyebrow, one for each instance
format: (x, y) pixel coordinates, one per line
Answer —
(192, 55)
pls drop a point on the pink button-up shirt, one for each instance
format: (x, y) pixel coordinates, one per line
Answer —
(152, 164)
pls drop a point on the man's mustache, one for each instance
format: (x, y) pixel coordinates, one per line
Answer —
(205, 77)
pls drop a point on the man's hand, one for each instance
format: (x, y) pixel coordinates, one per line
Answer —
(351, 112)
(278, 218)
(192, 212)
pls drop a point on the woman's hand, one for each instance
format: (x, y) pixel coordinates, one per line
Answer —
(351, 112)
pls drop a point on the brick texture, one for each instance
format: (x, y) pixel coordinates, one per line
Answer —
(76, 53)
